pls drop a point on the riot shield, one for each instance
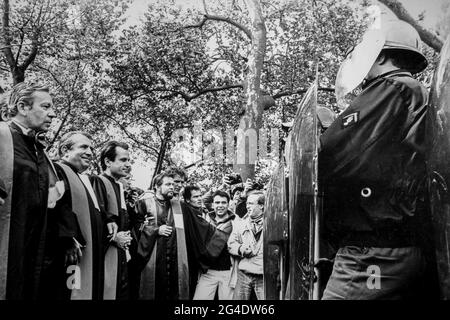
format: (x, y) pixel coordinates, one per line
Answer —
(440, 169)
(276, 236)
(303, 201)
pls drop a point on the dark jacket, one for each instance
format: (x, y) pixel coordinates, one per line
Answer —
(223, 261)
(372, 164)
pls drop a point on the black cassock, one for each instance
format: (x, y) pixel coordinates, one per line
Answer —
(28, 217)
(63, 226)
(202, 242)
(122, 221)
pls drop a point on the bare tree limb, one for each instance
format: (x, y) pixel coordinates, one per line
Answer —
(188, 97)
(216, 89)
(34, 50)
(66, 116)
(19, 49)
(16, 45)
(130, 135)
(207, 17)
(428, 37)
(204, 7)
(6, 35)
(299, 91)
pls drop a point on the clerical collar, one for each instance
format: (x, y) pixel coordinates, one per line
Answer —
(24, 129)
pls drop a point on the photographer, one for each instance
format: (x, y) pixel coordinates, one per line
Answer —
(250, 186)
(228, 181)
(235, 195)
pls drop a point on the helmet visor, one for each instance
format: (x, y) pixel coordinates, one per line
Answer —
(357, 64)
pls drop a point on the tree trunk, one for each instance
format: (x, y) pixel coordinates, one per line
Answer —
(18, 74)
(17, 71)
(160, 159)
(251, 120)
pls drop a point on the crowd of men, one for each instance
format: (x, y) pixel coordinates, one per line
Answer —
(70, 235)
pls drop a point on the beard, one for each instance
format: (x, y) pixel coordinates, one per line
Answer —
(168, 195)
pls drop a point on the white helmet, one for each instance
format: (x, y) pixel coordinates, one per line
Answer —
(393, 35)
(402, 36)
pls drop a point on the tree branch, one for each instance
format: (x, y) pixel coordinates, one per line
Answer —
(33, 53)
(428, 37)
(22, 36)
(216, 89)
(207, 17)
(6, 35)
(188, 97)
(299, 91)
(34, 42)
(129, 135)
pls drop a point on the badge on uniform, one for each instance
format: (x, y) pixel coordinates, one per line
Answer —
(350, 119)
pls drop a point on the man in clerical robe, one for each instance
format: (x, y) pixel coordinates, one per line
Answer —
(78, 225)
(135, 220)
(115, 163)
(173, 243)
(180, 178)
(27, 174)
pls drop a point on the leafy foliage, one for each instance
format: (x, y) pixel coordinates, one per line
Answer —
(143, 83)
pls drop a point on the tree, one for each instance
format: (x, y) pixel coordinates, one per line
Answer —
(289, 66)
(162, 76)
(427, 36)
(157, 80)
(251, 119)
(71, 40)
(23, 29)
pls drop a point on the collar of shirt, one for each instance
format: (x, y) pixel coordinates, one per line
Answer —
(24, 129)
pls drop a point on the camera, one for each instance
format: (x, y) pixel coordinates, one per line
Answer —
(234, 178)
(257, 186)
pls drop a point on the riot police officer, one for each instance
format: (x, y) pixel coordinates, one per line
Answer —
(372, 166)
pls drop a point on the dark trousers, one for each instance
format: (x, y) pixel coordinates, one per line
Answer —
(376, 273)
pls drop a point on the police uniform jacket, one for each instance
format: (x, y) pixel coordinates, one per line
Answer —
(372, 165)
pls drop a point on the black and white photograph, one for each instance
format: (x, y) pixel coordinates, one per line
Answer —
(241, 152)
